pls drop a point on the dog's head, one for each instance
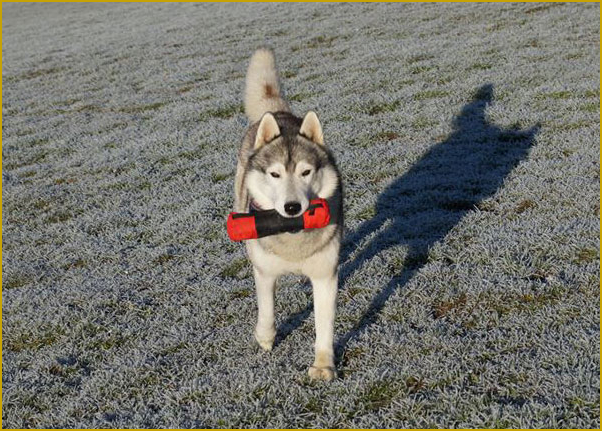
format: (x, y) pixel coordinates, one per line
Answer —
(288, 169)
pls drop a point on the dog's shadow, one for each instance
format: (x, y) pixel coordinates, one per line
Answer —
(422, 206)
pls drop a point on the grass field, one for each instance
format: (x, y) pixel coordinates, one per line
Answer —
(468, 136)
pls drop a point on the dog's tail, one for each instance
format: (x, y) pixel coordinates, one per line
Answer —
(262, 92)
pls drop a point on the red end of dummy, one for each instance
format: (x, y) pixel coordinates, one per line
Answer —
(241, 227)
(318, 216)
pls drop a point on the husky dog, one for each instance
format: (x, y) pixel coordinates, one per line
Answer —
(284, 163)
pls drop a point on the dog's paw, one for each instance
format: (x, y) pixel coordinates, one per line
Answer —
(322, 373)
(265, 338)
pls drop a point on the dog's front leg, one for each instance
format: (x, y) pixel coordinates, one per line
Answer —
(325, 295)
(265, 331)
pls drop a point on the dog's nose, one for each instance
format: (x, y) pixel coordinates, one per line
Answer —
(292, 208)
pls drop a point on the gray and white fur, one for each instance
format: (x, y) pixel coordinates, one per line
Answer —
(284, 163)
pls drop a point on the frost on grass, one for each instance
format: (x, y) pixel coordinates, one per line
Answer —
(470, 271)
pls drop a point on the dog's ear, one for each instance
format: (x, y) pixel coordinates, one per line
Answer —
(311, 128)
(268, 130)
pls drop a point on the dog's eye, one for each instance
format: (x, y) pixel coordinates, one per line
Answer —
(275, 175)
(305, 172)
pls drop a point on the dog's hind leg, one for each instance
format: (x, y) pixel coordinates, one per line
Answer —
(265, 331)
(325, 294)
